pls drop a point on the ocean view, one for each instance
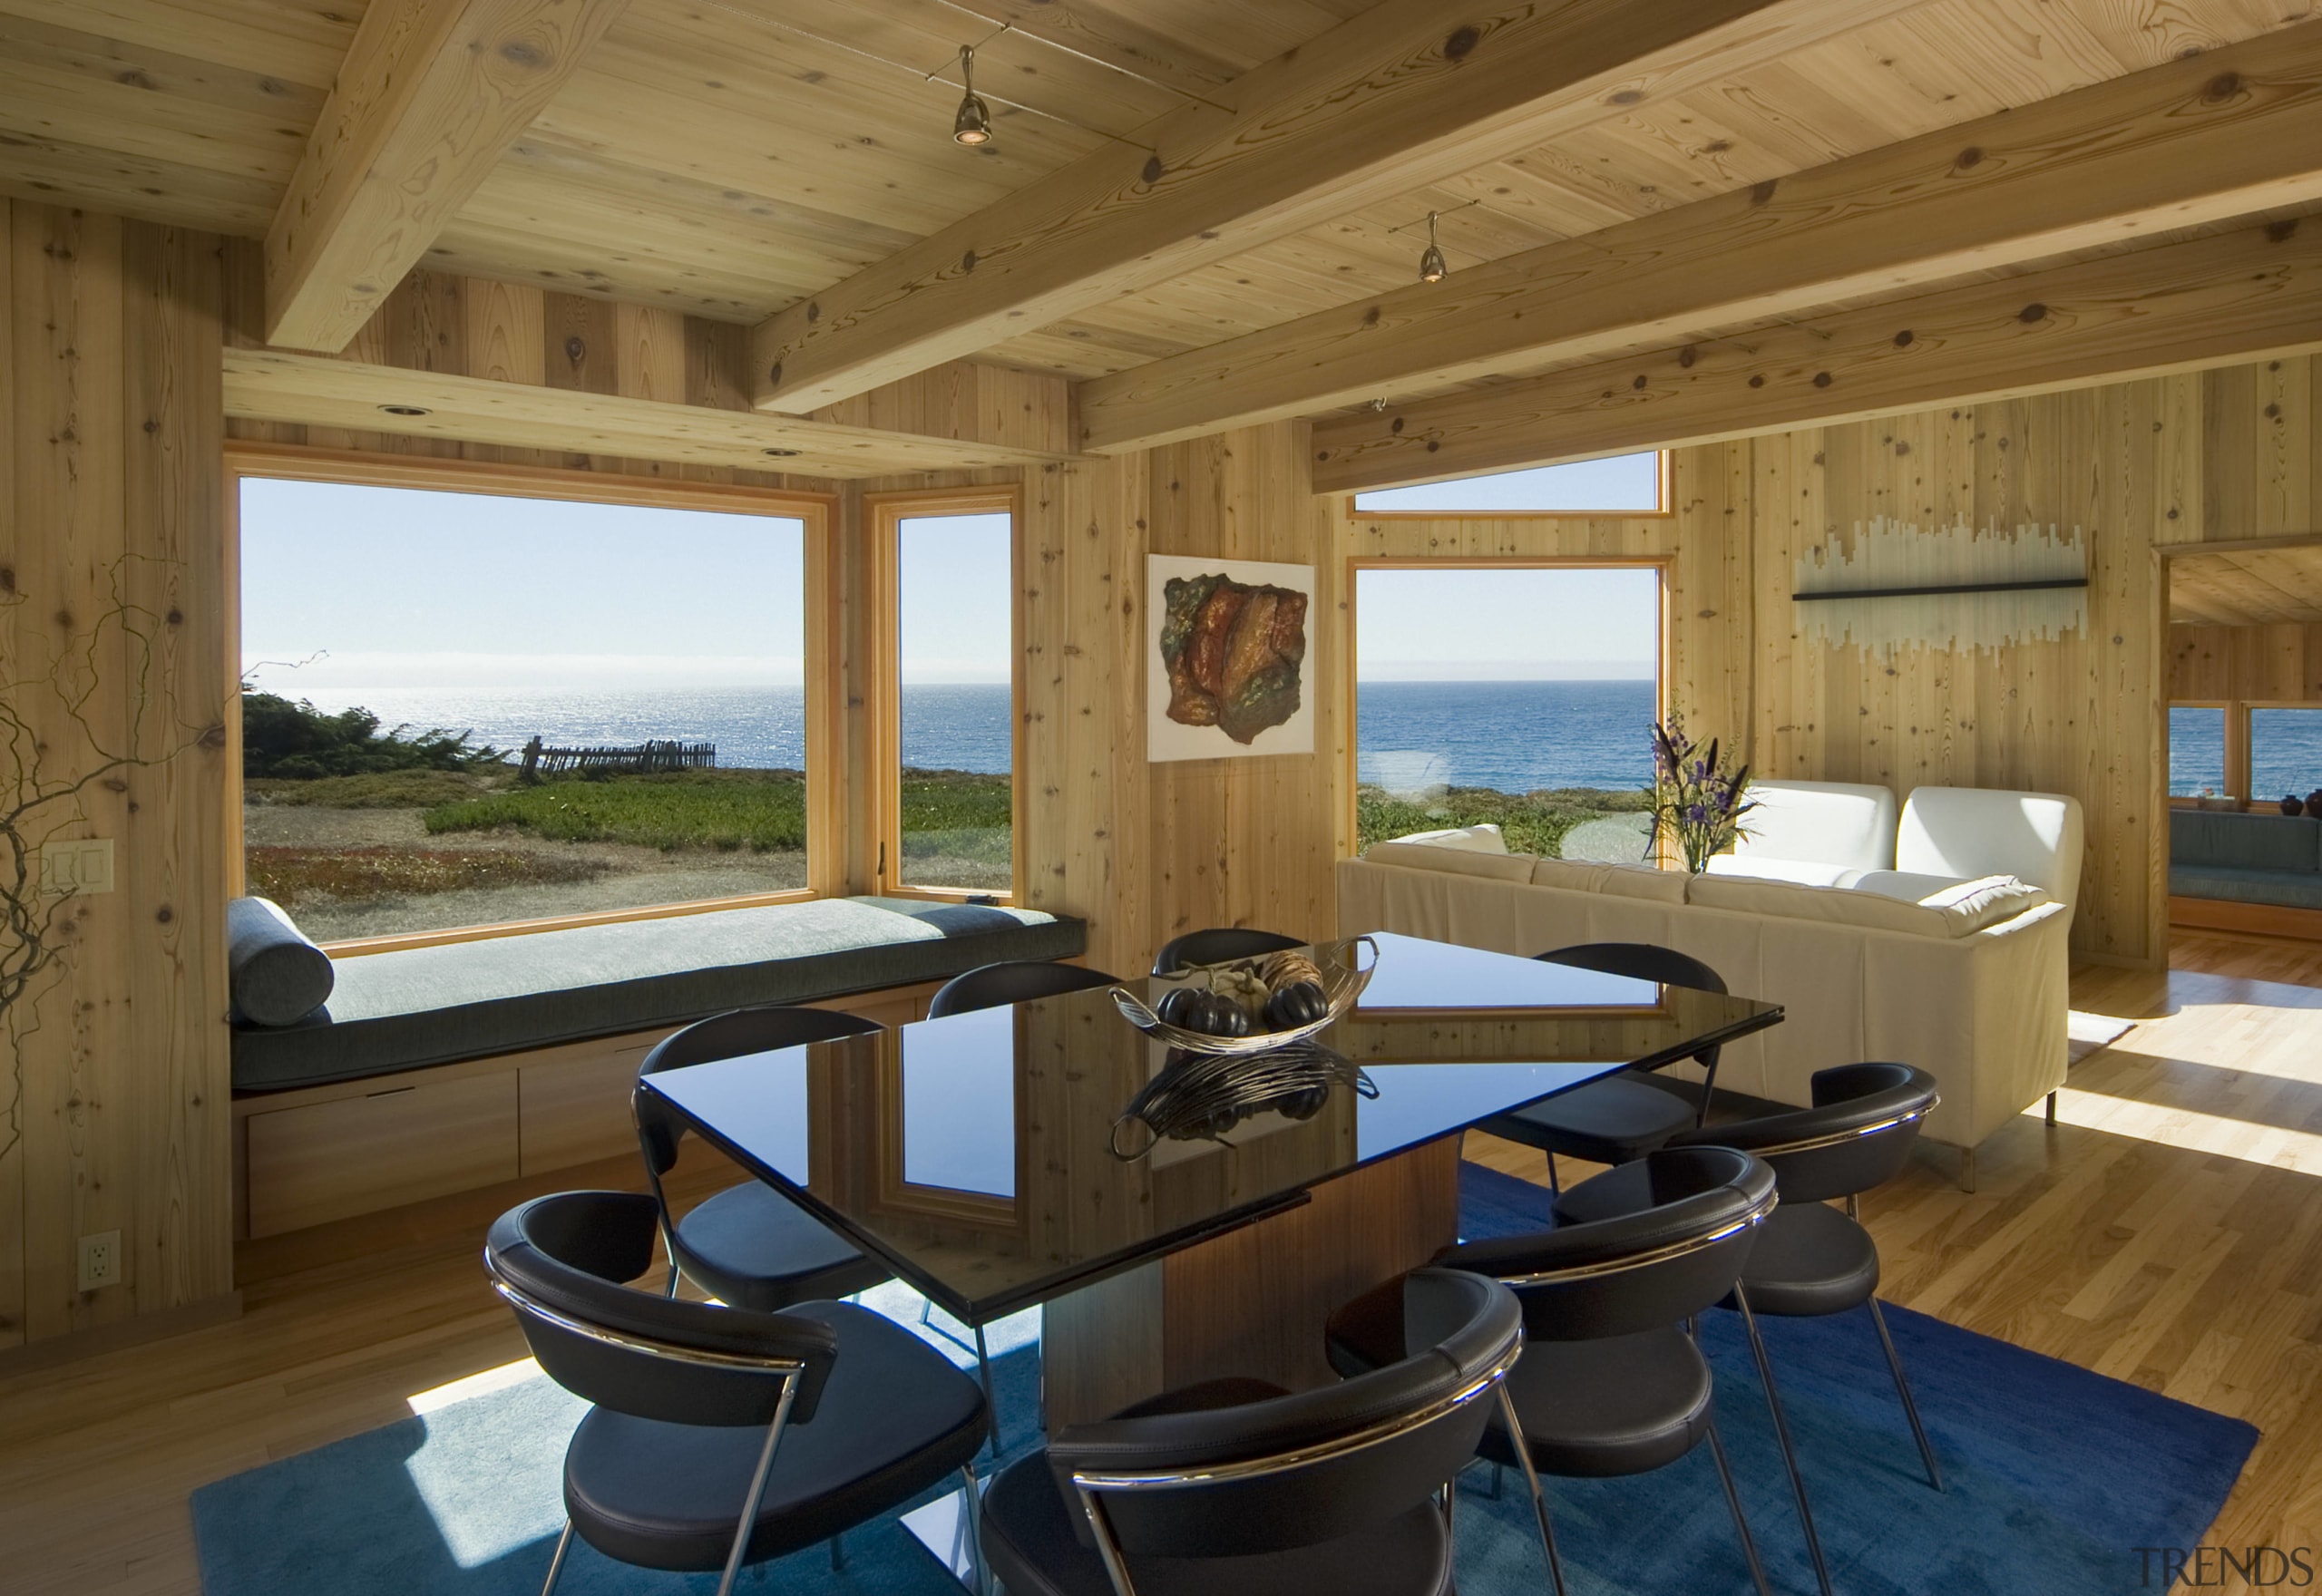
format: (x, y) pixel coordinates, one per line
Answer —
(1513, 736)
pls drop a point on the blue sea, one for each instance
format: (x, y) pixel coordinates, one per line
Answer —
(1516, 736)
(2285, 752)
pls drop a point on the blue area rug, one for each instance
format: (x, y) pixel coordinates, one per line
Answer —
(2055, 1475)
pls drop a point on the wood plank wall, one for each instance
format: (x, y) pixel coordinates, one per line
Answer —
(2280, 663)
(110, 480)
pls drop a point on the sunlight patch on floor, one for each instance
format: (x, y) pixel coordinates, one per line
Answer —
(2189, 1129)
(476, 1385)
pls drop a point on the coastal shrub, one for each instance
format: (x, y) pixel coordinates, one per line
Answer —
(291, 875)
(280, 738)
(1533, 822)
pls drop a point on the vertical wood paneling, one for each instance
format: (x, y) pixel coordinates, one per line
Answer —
(115, 542)
(15, 628)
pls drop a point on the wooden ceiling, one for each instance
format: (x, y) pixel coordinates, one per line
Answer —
(738, 159)
(2246, 586)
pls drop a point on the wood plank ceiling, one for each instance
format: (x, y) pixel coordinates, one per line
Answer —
(732, 159)
(2247, 587)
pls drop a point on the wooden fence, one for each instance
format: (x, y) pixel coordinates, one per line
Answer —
(645, 757)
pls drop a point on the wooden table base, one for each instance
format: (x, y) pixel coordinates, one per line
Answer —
(1253, 1302)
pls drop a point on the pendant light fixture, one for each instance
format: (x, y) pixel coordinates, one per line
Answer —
(972, 126)
(1432, 268)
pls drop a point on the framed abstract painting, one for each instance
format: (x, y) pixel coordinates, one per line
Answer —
(1227, 674)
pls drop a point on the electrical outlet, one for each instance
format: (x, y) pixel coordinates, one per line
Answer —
(101, 1261)
(78, 867)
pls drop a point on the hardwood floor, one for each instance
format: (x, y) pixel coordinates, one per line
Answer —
(2168, 1232)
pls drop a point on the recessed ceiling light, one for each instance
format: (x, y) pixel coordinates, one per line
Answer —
(780, 453)
(405, 410)
(972, 125)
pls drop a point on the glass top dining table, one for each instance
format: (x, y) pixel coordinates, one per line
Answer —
(981, 1155)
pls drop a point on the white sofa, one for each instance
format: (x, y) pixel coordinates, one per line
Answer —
(1965, 977)
(1841, 834)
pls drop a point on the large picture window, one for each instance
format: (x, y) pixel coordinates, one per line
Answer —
(1619, 485)
(2197, 750)
(2284, 750)
(1523, 695)
(951, 793)
(465, 708)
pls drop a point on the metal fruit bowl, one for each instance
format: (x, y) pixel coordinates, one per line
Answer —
(1344, 975)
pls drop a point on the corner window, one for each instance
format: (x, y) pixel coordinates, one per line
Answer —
(950, 792)
(2197, 751)
(1620, 485)
(2285, 752)
(1521, 696)
(469, 708)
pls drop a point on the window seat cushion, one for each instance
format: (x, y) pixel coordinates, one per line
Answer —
(2290, 889)
(429, 1006)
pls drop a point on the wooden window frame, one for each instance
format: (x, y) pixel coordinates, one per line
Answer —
(883, 514)
(2246, 708)
(2236, 745)
(1667, 494)
(818, 511)
(1663, 566)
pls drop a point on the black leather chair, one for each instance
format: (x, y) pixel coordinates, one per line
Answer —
(1218, 945)
(1810, 1258)
(1022, 980)
(1610, 1383)
(719, 1437)
(1236, 1487)
(748, 1246)
(1619, 1118)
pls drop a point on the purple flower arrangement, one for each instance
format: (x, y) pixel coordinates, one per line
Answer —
(1697, 799)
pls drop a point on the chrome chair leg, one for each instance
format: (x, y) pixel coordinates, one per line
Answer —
(1734, 1503)
(1903, 1389)
(991, 1393)
(1539, 1498)
(1781, 1433)
(973, 1506)
(755, 1496)
(556, 1563)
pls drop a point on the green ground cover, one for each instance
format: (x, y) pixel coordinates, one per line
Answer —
(727, 811)
(291, 876)
(1533, 822)
(397, 789)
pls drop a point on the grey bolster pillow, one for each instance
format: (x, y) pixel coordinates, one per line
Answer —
(275, 975)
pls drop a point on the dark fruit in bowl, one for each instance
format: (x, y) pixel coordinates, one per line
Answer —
(1213, 1014)
(1178, 1003)
(1298, 1004)
(1303, 1105)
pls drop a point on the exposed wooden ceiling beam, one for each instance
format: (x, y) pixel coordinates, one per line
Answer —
(1409, 93)
(432, 92)
(2207, 301)
(272, 384)
(2221, 135)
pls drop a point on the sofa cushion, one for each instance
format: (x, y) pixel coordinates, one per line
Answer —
(1619, 881)
(1480, 839)
(274, 974)
(1961, 909)
(2286, 887)
(425, 1005)
(1910, 886)
(1969, 833)
(1495, 867)
(2201, 839)
(1803, 873)
(1843, 823)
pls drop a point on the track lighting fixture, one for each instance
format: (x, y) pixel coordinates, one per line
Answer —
(1432, 268)
(972, 125)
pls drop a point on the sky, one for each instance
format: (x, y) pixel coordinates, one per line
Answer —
(1505, 626)
(1624, 481)
(371, 588)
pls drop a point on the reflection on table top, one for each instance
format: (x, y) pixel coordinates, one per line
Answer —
(973, 1153)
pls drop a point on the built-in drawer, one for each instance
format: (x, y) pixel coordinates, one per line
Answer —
(320, 1161)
